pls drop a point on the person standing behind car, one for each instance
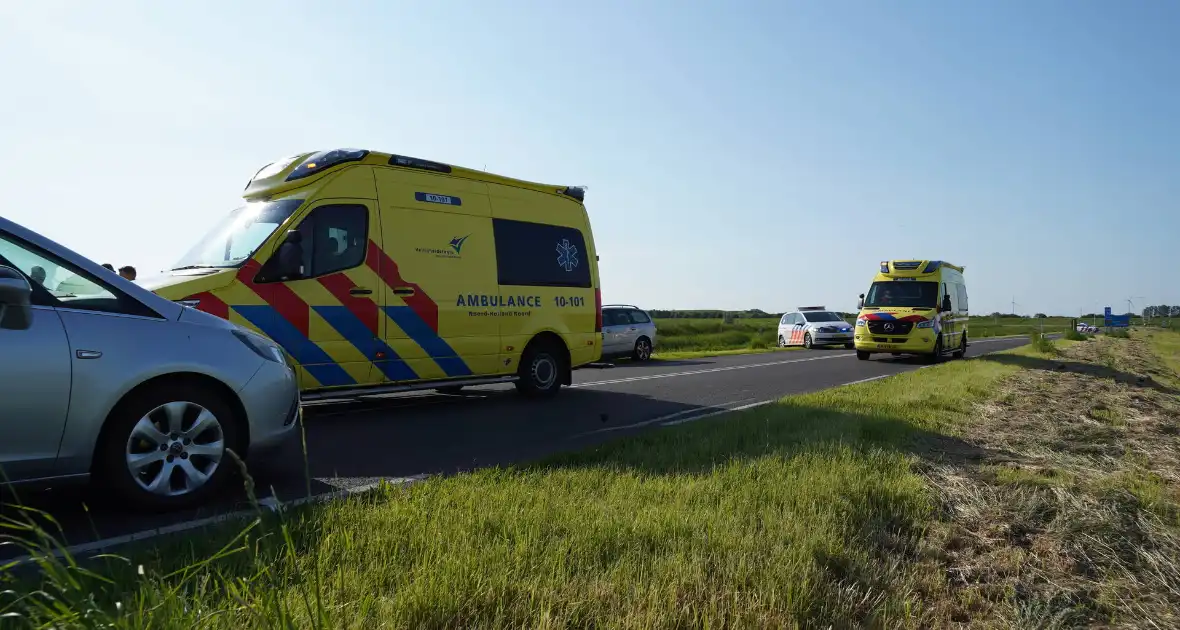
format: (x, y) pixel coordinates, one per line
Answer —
(127, 272)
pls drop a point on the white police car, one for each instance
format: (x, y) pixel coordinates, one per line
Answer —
(811, 326)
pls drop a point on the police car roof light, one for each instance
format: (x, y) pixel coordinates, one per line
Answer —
(812, 308)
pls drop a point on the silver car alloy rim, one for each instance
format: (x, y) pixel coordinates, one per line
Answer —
(175, 448)
(644, 351)
(544, 372)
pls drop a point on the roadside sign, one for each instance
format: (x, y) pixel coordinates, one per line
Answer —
(1116, 321)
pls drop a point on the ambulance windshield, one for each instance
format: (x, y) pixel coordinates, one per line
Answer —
(238, 235)
(902, 294)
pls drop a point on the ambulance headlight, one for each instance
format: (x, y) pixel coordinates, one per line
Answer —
(860, 323)
(926, 324)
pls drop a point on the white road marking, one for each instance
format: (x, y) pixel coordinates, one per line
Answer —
(866, 380)
(702, 413)
(708, 371)
(719, 412)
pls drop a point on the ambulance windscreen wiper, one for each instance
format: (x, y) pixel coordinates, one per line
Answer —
(194, 267)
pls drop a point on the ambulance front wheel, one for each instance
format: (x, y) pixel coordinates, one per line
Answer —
(862, 355)
(541, 369)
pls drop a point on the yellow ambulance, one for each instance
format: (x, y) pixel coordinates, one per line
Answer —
(380, 273)
(914, 307)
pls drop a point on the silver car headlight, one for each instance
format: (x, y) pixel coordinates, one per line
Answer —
(262, 346)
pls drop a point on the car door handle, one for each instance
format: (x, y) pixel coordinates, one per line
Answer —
(360, 291)
(633, 329)
(88, 354)
(403, 291)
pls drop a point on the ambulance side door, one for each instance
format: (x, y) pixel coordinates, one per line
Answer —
(328, 316)
(950, 328)
(439, 273)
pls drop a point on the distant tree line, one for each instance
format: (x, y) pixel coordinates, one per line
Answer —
(1163, 310)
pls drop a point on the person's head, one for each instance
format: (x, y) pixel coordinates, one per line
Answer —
(37, 274)
(127, 272)
(109, 267)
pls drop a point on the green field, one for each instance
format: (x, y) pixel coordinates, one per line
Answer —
(685, 337)
(1024, 489)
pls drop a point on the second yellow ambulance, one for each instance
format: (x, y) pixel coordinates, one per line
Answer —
(914, 307)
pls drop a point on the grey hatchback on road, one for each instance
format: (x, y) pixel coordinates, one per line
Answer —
(627, 331)
(103, 379)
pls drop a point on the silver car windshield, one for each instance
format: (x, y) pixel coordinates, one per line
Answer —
(238, 235)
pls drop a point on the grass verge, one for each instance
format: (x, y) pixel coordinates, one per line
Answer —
(967, 492)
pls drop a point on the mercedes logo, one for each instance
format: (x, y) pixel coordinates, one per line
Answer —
(888, 327)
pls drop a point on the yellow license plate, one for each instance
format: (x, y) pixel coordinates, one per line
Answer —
(886, 346)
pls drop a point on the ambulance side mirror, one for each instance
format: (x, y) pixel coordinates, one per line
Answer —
(287, 261)
(860, 303)
(291, 255)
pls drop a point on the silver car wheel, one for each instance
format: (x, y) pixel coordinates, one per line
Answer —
(643, 350)
(175, 448)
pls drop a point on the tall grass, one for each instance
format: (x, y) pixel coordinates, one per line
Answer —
(1040, 343)
(678, 335)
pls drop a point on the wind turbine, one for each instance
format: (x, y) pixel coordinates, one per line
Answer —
(1131, 303)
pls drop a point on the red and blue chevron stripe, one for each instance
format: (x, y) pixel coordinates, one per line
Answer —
(286, 316)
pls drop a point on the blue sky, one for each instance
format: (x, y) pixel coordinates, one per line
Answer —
(738, 155)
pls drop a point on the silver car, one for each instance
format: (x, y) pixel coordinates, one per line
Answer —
(102, 379)
(627, 331)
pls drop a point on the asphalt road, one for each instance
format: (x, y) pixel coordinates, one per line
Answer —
(356, 443)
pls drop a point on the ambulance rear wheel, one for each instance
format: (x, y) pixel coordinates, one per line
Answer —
(540, 370)
(862, 355)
